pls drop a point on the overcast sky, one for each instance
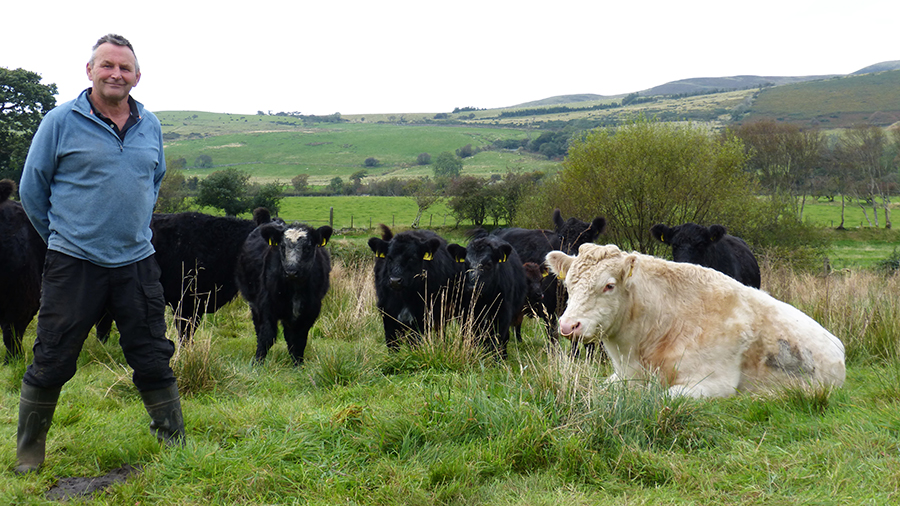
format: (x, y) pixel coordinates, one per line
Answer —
(392, 56)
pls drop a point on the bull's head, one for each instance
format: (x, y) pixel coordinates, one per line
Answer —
(296, 245)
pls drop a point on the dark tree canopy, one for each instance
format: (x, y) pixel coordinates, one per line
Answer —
(23, 103)
(226, 190)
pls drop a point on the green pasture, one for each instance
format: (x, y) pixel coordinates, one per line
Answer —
(327, 150)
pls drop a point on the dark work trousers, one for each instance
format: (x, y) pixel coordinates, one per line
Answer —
(75, 293)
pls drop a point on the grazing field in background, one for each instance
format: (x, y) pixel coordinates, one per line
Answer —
(860, 246)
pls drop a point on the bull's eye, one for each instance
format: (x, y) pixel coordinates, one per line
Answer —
(609, 287)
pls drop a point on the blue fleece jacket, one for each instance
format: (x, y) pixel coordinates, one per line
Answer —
(89, 194)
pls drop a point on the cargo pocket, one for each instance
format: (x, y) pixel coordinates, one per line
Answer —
(156, 308)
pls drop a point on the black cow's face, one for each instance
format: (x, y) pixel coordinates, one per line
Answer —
(296, 245)
(574, 232)
(483, 257)
(534, 276)
(406, 259)
(690, 242)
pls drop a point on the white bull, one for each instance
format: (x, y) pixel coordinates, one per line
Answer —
(699, 331)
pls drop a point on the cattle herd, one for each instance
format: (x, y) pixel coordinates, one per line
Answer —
(698, 324)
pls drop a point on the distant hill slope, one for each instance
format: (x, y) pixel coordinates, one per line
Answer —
(872, 98)
(879, 67)
(708, 84)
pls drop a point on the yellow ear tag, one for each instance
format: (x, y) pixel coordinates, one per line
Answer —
(544, 274)
(379, 255)
(324, 242)
(503, 259)
(662, 238)
(428, 257)
(461, 260)
(272, 242)
(630, 271)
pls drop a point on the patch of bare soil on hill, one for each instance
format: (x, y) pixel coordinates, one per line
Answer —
(68, 488)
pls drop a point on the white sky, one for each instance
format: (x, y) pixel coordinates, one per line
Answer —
(397, 56)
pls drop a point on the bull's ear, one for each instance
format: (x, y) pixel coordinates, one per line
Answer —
(324, 234)
(559, 263)
(505, 250)
(598, 225)
(716, 232)
(431, 247)
(271, 233)
(557, 220)
(457, 252)
(661, 233)
(378, 246)
(630, 267)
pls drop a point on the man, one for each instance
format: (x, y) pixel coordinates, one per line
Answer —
(89, 185)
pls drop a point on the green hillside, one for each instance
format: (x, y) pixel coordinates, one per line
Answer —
(833, 103)
(281, 147)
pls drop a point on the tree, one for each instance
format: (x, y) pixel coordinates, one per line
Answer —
(425, 193)
(371, 162)
(267, 195)
(784, 156)
(172, 196)
(423, 159)
(465, 151)
(23, 103)
(447, 165)
(650, 172)
(864, 151)
(300, 182)
(468, 199)
(336, 186)
(225, 189)
(203, 161)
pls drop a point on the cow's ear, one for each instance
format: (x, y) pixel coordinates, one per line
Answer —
(378, 246)
(505, 250)
(716, 232)
(559, 263)
(457, 252)
(661, 232)
(598, 225)
(271, 233)
(630, 267)
(324, 234)
(558, 220)
(431, 247)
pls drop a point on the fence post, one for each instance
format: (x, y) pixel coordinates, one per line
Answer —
(331, 217)
(430, 217)
(351, 222)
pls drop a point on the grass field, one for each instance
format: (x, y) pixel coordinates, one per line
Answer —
(437, 425)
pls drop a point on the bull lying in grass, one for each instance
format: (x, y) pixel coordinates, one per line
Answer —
(700, 332)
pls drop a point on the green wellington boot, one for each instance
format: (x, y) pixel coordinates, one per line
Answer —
(164, 407)
(36, 407)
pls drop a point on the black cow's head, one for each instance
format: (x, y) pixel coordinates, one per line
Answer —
(296, 244)
(483, 257)
(574, 232)
(534, 276)
(690, 242)
(405, 258)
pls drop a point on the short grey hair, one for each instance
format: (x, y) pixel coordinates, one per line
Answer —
(118, 40)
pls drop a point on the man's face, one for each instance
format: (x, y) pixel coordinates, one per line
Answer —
(113, 72)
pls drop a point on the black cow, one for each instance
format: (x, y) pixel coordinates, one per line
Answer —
(197, 256)
(415, 277)
(22, 253)
(495, 282)
(533, 246)
(534, 296)
(710, 247)
(283, 273)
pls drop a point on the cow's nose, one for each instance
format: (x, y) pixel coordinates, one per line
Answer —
(569, 329)
(395, 283)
